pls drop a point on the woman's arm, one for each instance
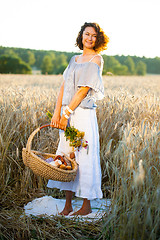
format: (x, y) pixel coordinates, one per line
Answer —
(76, 100)
(57, 112)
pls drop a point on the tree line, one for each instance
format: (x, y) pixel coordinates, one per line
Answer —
(21, 60)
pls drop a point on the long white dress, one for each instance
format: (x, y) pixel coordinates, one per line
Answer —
(88, 180)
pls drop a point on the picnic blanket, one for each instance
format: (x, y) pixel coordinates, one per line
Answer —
(49, 206)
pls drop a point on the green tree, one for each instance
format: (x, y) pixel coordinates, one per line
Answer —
(10, 52)
(153, 65)
(30, 58)
(47, 65)
(130, 64)
(120, 70)
(10, 64)
(59, 64)
(27, 56)
(109, 63)
(113, 65)
(141, 68)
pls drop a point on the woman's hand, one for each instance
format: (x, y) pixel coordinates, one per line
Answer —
(55, 121)
(63, 123)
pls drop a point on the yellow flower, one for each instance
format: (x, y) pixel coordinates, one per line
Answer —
(82, 134)
(78, 143)
(79, 134)
(84, 144)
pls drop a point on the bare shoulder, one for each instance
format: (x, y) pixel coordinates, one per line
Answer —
(98, 60)
(76, 57)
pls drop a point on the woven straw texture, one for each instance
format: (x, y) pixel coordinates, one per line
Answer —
(44, 169)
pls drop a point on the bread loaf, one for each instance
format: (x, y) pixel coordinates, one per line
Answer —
(62, 166)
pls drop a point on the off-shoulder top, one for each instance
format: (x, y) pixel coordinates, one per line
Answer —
(83, 74)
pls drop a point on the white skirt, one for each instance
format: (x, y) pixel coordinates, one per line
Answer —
(87, 183)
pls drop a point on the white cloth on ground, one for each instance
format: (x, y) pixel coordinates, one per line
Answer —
(49, 206)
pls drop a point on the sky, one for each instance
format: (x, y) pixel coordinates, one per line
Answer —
(131, 25)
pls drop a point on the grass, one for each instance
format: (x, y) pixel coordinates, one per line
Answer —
(129, 128)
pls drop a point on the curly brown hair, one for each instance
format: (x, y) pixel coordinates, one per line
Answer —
(101, 40)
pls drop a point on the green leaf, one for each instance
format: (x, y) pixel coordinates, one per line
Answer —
(49, 115)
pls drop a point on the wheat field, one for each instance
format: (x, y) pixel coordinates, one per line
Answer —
(129, 127)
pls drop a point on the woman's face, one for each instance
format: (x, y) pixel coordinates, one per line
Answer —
(89, 38)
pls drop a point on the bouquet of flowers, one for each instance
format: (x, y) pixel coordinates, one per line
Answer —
(74, 136)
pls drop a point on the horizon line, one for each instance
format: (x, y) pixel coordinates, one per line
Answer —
(34, 49)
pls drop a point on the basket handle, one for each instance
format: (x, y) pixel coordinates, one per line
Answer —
(29, 142)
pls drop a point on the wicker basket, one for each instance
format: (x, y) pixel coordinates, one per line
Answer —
(44, 169)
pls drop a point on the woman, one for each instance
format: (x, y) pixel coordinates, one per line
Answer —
(81, 87)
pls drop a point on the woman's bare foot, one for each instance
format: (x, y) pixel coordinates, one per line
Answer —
(82, 212)
(85, 209)
(66, 211)
(68, 205)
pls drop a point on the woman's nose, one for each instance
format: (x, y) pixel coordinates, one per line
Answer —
(90, 37)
